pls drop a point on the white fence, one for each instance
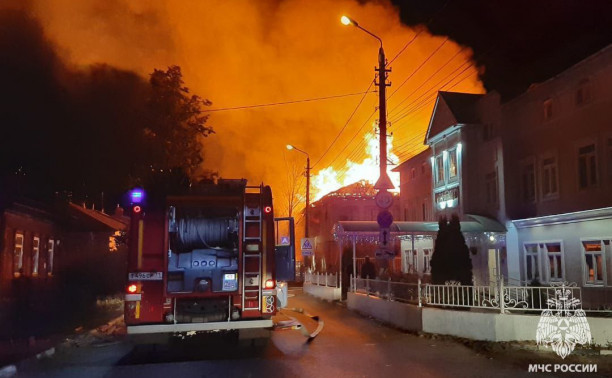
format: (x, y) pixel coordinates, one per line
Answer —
(322, 279)
(499, 297)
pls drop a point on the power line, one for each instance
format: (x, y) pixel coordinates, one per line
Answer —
(420, 31)
(345, 124)
(405, 46)
(435, 87)
(284, 102)
(426, 80)
(353, 138)
(418, 68)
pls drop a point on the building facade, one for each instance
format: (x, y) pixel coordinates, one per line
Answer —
(541, 165)
(354, 202)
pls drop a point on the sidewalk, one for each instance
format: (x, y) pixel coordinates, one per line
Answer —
(15, 349)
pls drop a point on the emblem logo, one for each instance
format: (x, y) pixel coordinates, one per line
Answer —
(564, 323)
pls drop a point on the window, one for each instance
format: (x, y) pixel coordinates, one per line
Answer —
(491, 187)
(439, 170)
(18, 255)
(548, 109)
(528, 190)
(594, 261)
(532, 262)
(548, 255)
(587, 166)
(583, 93)
(554, 255)
(413, 267)
(549, 177)
(426, 258)
(35, 254)
(452, 164)
(50, 251)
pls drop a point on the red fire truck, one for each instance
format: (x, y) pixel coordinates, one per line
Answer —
(210, 258)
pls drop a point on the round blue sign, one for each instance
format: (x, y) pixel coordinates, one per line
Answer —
(384, 219)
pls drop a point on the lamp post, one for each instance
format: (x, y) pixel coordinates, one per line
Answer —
(384, 182)
(292, 147)
(384, 199)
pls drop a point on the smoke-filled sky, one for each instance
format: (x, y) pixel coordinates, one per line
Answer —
(241, 53)
(238, 53)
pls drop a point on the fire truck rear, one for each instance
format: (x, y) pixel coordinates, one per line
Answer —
(211, 258)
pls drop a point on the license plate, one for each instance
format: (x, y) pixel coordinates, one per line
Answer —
(145, 276)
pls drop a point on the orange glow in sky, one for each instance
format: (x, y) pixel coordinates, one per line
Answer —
(245, 52)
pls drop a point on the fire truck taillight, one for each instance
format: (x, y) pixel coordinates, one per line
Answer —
(137, 209)
(269, 284)
(268, 209)
(132, 288)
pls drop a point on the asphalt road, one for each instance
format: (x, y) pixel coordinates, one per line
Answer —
(348, 346)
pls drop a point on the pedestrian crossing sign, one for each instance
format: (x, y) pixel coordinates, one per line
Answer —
(307, 246)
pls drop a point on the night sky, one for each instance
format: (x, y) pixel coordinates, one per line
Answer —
(520, 42)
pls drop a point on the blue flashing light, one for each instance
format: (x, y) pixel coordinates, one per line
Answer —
(137, 195)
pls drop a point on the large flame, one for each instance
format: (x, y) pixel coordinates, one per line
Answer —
(245, 52)
(328, 179)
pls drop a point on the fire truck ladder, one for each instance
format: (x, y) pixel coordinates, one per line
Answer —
(251, 256)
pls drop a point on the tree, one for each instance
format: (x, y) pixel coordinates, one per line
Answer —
(451, 258)
(176, 123)
(291, 194)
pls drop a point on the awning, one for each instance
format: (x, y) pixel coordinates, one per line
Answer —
(479, 224)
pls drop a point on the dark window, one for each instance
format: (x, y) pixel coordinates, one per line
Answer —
(528, 183)
(587, 166)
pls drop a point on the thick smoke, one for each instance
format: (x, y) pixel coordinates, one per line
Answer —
(257, 52)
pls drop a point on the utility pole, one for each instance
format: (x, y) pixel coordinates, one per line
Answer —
(384, 182)
(307, 211)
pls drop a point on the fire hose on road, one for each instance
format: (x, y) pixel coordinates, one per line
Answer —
(295, 324)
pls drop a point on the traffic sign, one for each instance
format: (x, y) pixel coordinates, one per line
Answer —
(384, 219)
(384, 253)
(285, 240)
(307, 246)
(384, 237)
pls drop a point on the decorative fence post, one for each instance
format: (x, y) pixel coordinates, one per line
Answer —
(389, 289)
(367, 285)
(501, 294)
(419, 292)
(325, 279)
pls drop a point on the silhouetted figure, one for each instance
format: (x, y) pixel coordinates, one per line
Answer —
(367, 269)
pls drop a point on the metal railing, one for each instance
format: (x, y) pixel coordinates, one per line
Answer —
(322, 279)
(498, 297)
(391, 290)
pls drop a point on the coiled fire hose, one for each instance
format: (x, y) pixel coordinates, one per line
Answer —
(297, 325)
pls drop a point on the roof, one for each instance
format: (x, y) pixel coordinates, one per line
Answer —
(452, 109)
(477, 225)
(94, 220)
(462, 105)
(359, 189)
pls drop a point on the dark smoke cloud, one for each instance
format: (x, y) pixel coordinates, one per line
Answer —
(62, 128)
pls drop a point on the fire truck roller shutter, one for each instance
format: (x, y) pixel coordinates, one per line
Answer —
(200, 233)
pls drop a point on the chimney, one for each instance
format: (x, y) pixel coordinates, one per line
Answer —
(118, 212)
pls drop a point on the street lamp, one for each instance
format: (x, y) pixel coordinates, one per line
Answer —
(292, 147)
(384, 182)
